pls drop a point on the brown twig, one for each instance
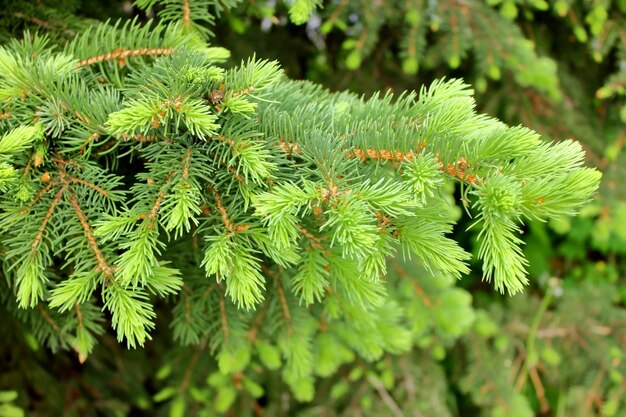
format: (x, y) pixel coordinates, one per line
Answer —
(283, 300)
(458, 169)
(186, 161)
(419, 291)
(252, 333)
(47, 317)
(224, 319)
(387, 398)
(32, 19)
(39, 196)
(121, 54)
(190, 368)
(316, 242)
(186, 13)
(57, 198)
(154, 211)
(593, 392)
(541, 393)
(99, 189)
(228, 224)
(93, 244)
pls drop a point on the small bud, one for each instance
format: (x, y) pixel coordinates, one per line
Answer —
(37, 159)
(217, 96)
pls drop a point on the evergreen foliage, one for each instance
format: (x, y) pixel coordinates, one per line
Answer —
(556, 66)
(281, 227)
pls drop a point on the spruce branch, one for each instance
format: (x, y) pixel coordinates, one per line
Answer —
(103, 266)
(240, 196)
(48, 216)
(120, 55)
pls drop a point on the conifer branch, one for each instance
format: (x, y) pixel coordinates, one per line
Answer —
(381, 155)
(224, 320)
(187, 306)
(55, 201)
(186, 13)
(32, 19)
(539, 390)
(49, 319)
(289, 147)
(122, 54)
(419, 291)
(283, 300)
(246, 91)
(252, 332)
(91, 185)
(336, 13)
(282, 181)
(208, 291)
(457, 170)
(145, 138)
(82, 218)
(384, 394)
(316, 242)
(240, 179)
(154, 211)
(191, 368)
(224, 139)
(228, 224)
(42, 23)
(39, 196)
(94, 136)
(79, 315)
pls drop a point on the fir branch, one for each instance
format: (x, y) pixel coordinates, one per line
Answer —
(55, 201)
(283, 300)
(39, 196)
(419, 291)
(88, 184)
(42, 23)
(186, 13)
(186, 161)
(191, 368)
(381, 155)
(154, 211)
(254, 329)
(539, 389)
(224, 320)
(322, 187)
(391, 404)
(42, 310)
(457, 169)
(228, 224)
(102, 263)
(316, 242)
(33, 19)
(120, 55)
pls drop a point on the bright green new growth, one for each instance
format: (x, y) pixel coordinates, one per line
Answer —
(135, 167)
